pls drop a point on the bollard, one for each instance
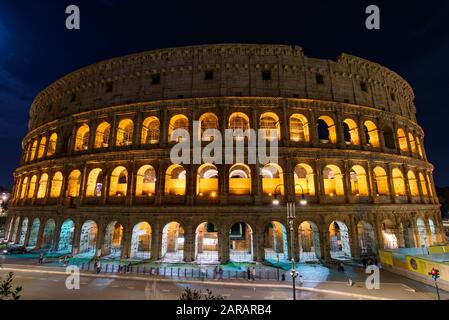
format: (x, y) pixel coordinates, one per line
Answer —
(206, 273)
(185, 273)
(107, 266)
(165, 271)
(171, 272)
(179, 269)
(192, 273)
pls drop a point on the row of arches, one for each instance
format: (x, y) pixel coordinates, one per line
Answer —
(310, 239)
(359, 182)
(299, 129)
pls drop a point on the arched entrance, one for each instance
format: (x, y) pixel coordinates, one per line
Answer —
(275, 242)
(49, 233)
(241, 242)
(34, 233)
(66, 236)
(367, 238)
(339, 240)
(172, 243)
(23, 231)
(389, 235)
(309, 242)
(422, 233)
(206, 243)
(433, 234)
(112, 240)
(88, 239)
(16, 229)
(141, 241)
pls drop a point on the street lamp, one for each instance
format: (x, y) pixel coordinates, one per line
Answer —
(291, 216)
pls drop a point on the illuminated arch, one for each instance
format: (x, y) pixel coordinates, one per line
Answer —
(32, 187)
(372, 134)
(413, 184)
(125, 132)
(146, 181)
(178, 121)
(367, 238)
(339, 240)
(88, 239)
(351, 132)
(42, 146)
(381, 181)
(24, 188)
(275, 242)
(389, 234)
(42, 190)
(52, 144)
(141, 241)
(175, 180)
(239, 179)
(238, 121)
(402, 139)
(419, 146)
(102, 135)
(269, 121)
(423, 183)
(172, 249)
(207, 121)
(94, 186)
(309, 241)
(33, 151)
(412, 141)
(207, 180)
(304, 180)
(112, 243)
(73, 184)
(150, 130)
(388, 135)
(118, 182)
(82, 138)
(272, 176)
(333, 181)
(359, 181)
(398, 182)
(206, 243)
(327, 131)
(241, 242)
(299, 128)
(56, 185)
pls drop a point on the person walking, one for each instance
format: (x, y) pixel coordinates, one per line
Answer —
(248, 272)
(41, 258)
(220, 273)
(98, 268)
(66, 261)
(215, 272)
(253, 274)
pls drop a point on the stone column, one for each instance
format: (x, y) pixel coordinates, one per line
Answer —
(156, 241)
(99, 245)
(223, 239)
(40, 235)
(28, 233)
(160, 182)
(137, 134)
(131, 187)
(324, 243)
(57, 234)
(223, 183)
(190, 183)
(76, 236)
(189, 244)
(126, 243)
(258, 247)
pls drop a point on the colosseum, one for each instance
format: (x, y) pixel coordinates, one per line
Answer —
(96, 177)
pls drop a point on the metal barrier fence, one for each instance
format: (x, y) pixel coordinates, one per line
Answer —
(186, 273)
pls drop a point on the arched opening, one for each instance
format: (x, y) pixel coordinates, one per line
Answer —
(413, 184)
(34, 233)
(241, 242)
(150, 130)
(88, 239)
(141, 241)
(178, 121)
(433, 233)
(339, 240)
(333, 181)
(351, 132)
(52, 144)
(304, 180)
(239, 122)
(73, 184)
(125, 132)
(269, 123)
(207, 121)
(422, 233)
(56, 185)
(359, 182)
(327, 131)
(299, 128)
(207, 180)
(118, 185)
(16, 229)
(275, 242)
(366, 236)
(398, 182)
(175, 180)
(389, 235)
(206, 244)
(42, 145)
(309, 242)
(112, 244)
(82, 138)
(172, 243)
(94, 186)
(49, 234)
(412, 141)
(389, 138)
(239, 179)
(272, 179)
(102, 135)
(402, 140)
(33, 151)
(407, 232)
(381, 181)
(419, 146)
(42, 190)
(23, 231)
(422, 182)
(371, 134)
(32, 188)
(24, 188)
(66, 236)
(146, 181)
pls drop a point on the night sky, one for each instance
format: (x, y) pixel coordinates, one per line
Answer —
(36, 48)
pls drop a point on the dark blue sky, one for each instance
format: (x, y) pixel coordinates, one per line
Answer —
(36, 49)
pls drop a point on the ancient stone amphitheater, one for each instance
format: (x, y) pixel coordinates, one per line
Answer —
(96, 177)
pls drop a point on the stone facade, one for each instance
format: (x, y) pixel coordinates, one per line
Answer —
(371, 124)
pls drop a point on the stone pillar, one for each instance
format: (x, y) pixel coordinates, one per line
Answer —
(126, 242)
(164, 122)
(258, 247)
(28, 233)
(324, 243)
(223, 183)
(354, 238)
(256, 183)
(190, 183)
(313, 130)
(160, 182)
(99, 245)
(223, 240)
(131, 187)
(40, 235)
(57, 234)
(285, 125)
(346, 180)
(295, 254)
(137, 134)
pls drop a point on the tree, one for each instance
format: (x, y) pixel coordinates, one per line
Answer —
(6, 290)
(189, 294)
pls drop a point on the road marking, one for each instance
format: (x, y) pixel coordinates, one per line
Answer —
(131, 287)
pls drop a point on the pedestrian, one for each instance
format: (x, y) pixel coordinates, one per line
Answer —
(364, 262)
(283, 277)
(300, 280)
(341, 267)
(215, 272)
(41, 258)
(248, 272)
(220, 273)
(253, 274)
(98, 267)
(66, 261)
(129, 267)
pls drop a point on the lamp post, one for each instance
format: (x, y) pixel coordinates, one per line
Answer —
(291, 216)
